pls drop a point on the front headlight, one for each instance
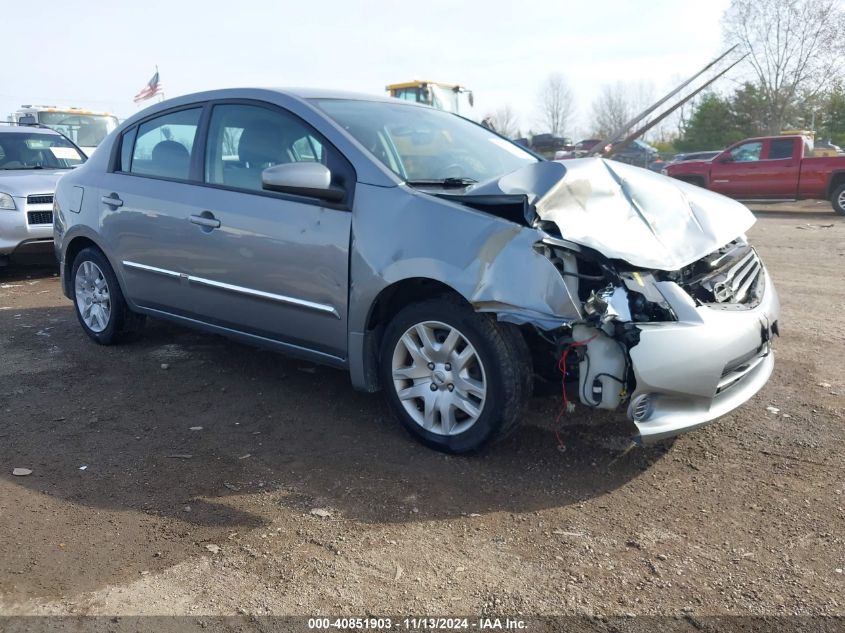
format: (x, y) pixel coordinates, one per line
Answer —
(7, 202)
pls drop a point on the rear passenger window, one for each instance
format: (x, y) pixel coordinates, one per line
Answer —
(781, 148)
(243, 140)
(126, 142)
(164, 145)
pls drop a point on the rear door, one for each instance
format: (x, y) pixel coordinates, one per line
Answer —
(778, 173)
(145, 208)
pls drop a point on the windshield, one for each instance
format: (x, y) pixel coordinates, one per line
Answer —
(644, 146)
(444, 99)
(587, 143)
(86, 130)
(423, 144)
(37, 151)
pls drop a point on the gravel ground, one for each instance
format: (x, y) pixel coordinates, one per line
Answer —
(186, 474)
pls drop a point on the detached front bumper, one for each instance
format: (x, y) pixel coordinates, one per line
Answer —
(692, 371)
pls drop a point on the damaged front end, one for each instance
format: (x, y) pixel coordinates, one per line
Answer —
(676, 349)
(674, 310)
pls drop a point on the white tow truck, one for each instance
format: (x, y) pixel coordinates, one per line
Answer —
(86, 128)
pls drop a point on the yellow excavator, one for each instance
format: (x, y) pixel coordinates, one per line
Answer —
(443, 96)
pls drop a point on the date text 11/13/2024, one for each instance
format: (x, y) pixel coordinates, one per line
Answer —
(418, 623)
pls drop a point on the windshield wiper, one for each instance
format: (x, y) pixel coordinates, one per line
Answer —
(446, 183)
(20, 168)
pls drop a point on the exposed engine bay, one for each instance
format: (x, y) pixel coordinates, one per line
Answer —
(616, 297)
(669, 311)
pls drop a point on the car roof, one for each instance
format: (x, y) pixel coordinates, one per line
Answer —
(27, 129)
(298, 94)
(773, 137)
(321, 93)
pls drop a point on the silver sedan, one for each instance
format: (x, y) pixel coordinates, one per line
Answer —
(429, 257)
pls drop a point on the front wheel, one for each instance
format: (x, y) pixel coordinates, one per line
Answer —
(838, 199)
(456, 379)
(100, 306)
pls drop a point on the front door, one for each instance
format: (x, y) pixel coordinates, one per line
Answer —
(269, 264)
(736, 173)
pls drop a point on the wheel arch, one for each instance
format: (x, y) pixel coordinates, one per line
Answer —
(401, 293)
(72, 246)
(698, 181)
(837, 179)
(364, 345)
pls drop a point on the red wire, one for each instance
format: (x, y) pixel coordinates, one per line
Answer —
(561, 365)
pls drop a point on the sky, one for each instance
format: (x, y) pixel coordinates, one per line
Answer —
(99, 54)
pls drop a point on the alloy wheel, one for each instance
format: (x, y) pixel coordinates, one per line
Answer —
(92, 296)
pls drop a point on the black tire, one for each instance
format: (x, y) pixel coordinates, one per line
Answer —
(501, 351)
(122, 323)
(837, 200)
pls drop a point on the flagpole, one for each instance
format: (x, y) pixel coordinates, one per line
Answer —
(160, 94)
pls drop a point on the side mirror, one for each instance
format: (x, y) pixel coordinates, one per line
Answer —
(724, 158)
(313, 180)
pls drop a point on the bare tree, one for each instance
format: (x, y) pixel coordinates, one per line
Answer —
(794, 46)
(556, 104)
(231, 137)
(617, 104)
(504, 121)
(611, 110)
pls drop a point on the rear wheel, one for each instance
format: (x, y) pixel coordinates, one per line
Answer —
(838, 199)
(456, 379)
(98, 300)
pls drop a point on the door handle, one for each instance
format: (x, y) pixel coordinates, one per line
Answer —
(112, 200)
(207, 221)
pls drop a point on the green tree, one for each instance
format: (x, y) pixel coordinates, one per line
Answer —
(831, 122)
(751, 111)
(711, 126)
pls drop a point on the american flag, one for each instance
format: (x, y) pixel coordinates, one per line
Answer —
(152, 89)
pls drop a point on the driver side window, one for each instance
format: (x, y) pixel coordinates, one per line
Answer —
(747, 152)
(244, 140)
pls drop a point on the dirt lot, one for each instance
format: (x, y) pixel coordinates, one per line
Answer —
(130, 511)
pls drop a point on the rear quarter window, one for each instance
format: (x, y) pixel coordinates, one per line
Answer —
(126, 143)
(781, 148)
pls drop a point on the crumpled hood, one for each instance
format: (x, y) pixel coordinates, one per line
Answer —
(20, 183)
(624, 212)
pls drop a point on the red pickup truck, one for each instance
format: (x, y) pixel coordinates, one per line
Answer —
(771, 168)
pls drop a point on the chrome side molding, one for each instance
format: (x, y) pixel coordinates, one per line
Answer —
(252, 292)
